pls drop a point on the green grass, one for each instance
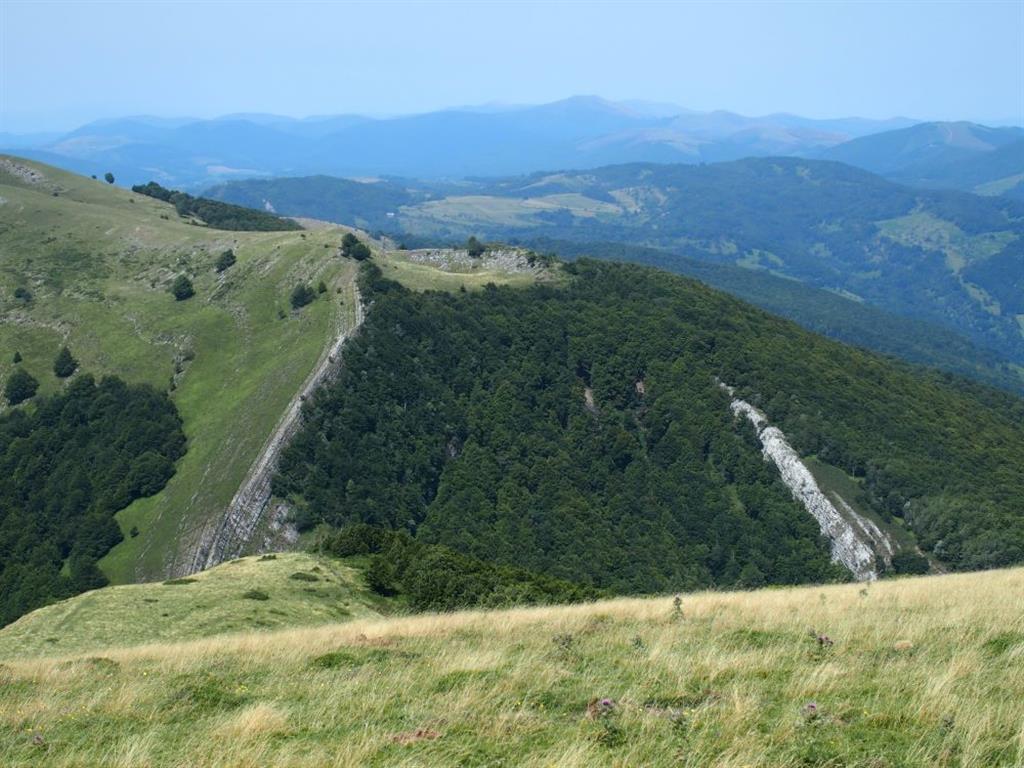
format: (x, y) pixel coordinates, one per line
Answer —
(253, 593)
(919, 672)
(98, 261)
(396, 265)
(999, 186)
(932, 233)
(835, 482)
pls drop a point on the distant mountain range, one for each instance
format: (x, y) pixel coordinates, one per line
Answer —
(576, 133)
(960, 155)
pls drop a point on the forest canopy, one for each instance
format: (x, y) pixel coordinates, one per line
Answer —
(65, 468)
(579, 432)
(217, 214)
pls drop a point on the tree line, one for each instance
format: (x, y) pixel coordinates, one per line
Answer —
(66, 466)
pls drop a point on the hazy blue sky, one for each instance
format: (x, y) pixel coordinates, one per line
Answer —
(66, 63)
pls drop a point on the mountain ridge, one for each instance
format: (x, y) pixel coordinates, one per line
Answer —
(581, 131)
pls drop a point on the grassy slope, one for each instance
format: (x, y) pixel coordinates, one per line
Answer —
(923, 672)
(98, 260)
(424, 277)
(209, 603)
(839, 486)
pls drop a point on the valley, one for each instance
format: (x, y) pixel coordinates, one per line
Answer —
(511, 385)
(940, 260)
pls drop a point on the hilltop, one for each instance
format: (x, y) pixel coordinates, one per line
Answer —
(250, 594)
(915, 672)
(958, 155)
(97, 263)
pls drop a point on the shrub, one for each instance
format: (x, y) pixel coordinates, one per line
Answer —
(17, 357)
(321, 287)
(64, 364)
(23, 294)
(182, 288)
(302, 295)
(353, 248)
(303, 576)
(108, 177)
(21, 385)
(225, 260)
(909, 562)
(255, 594)
(475, 247)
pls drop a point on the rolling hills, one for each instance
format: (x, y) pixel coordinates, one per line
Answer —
(97, 262)
(578, 132)
(212, 354)
(961, 155)
(250, 594)
(914, 672)
(944, 258)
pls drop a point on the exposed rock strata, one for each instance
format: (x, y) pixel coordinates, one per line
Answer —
(856, 541)
(238, 525)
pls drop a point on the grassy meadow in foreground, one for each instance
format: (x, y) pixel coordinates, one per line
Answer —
(915, 672)
(256, 593)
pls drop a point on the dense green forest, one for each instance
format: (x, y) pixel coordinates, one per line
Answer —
(66, 466)
(833, 315)
(580, 433)
(215, 213)
(431, 577)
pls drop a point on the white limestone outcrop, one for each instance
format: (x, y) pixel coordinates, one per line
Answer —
(855, 540)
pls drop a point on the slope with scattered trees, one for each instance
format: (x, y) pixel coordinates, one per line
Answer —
(217, 214)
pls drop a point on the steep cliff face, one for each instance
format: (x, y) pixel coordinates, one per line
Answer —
(857, 542)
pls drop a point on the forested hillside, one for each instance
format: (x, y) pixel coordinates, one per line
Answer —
(909, 251)
(922, 254)
(137, 292)
(580, 432)
(215, 213)
(66, 466)
(328, 198)
(826, 312)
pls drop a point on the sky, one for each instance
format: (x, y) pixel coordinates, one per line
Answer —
(66, 63)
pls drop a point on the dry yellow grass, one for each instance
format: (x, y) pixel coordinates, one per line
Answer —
(919, 672)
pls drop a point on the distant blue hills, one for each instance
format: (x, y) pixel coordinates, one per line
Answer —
(576, 133)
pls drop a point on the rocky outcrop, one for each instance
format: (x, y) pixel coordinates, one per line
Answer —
(249, 507)
(856, 542)
(511, 260)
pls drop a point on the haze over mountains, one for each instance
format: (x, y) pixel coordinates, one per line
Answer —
(579, 132)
